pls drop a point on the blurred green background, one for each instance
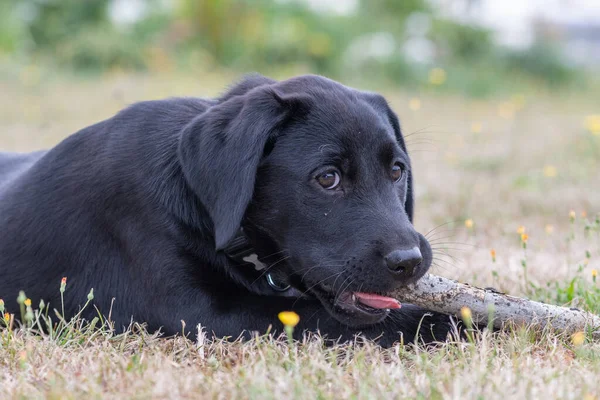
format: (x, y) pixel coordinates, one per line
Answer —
(410, 43)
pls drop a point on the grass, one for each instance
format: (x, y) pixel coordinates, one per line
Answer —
(486, 172)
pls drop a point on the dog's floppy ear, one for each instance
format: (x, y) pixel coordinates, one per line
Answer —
(382, 105)
(220, 151)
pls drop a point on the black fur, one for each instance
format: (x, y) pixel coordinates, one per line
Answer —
(139, 207)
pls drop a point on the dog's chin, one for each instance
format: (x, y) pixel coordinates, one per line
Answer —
(347, 308)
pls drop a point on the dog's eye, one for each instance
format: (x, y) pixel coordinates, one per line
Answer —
(397, 171)
(329, 179)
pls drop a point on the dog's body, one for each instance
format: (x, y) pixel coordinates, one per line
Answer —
(141, 206)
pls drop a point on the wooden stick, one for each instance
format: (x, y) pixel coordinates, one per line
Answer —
(447, 296)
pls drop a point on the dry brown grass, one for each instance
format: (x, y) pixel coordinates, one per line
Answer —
(501, 163)
(143, 366)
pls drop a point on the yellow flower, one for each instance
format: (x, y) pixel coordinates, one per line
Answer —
(592, 124)
(521, 230)
(476, 127)
(414, 104)
(578, 338)
(469, 223)
(437, 76)
(594, 273)
(465, 313)
(524, 237)
(549, 229)
(583, 214)
(27, 302)
(7, 317)
(550, 171)
(572, 215)
(289, 318)
(493, 254)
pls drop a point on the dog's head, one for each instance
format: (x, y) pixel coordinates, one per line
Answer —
(319, 177)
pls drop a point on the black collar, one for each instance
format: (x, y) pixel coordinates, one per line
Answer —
(240, 251)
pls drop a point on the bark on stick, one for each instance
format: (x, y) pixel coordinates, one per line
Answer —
(447, 296)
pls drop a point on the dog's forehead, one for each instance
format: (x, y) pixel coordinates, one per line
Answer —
(352, 140)
(349, 126)
(342, 123)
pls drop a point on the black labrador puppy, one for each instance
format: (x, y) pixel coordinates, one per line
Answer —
(292, 195)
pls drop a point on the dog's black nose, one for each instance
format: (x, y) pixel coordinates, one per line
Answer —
(404, 261)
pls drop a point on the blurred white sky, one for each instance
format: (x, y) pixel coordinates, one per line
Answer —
(511, 19)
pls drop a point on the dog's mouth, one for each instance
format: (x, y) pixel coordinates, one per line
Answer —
(355, 308)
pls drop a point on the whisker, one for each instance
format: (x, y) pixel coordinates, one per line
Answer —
(439, 226)
(450, 232)
(451, 260)
(310, 269)
(444, 261)
(437, 241)
(419, 131)
(442, 251)
(443, 268)
(322, 280)
(334, 282)
(432, 238)
(440, 241)
(343, 288)
(319, 265)
(317, 283)
(449, 248)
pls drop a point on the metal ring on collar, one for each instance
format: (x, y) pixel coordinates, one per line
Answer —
(275, 285)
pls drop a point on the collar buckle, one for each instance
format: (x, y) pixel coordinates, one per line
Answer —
(240, 250)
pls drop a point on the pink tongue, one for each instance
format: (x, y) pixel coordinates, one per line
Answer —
(376, 301)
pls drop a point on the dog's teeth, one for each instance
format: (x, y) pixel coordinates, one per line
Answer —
(353, 298)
